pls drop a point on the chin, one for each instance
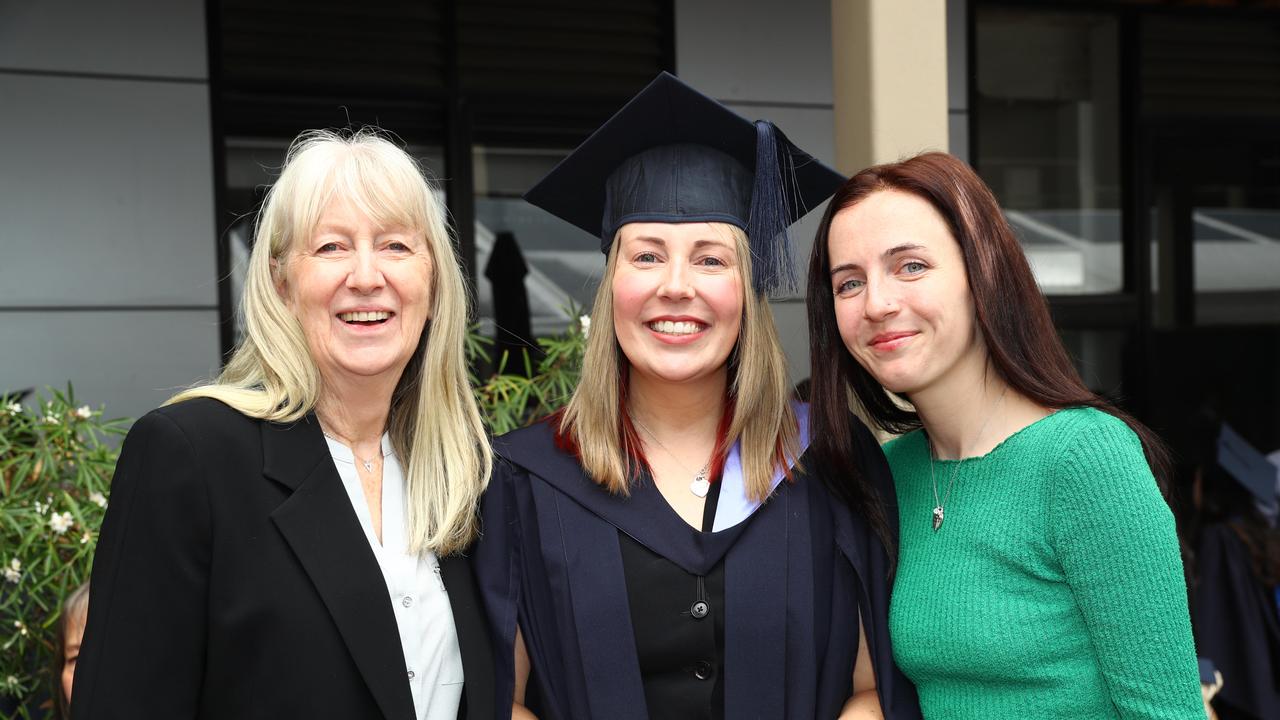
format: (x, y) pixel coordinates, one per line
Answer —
(896, 382)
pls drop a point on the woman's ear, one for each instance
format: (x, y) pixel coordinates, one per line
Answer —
(278, 280)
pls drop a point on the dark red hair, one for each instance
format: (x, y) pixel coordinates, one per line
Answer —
(1022, 343)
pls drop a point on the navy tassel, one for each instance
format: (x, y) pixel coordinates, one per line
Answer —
(773, 262)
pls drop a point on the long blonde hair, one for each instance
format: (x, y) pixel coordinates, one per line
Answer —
(433, 422)
(759, 388)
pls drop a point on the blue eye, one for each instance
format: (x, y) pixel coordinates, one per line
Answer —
(914, 267)
(647, 257)
(398, 246)
(712, 261)
(328, 247)
(849, 286)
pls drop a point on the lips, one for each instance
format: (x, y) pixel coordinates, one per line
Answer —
(891, 340)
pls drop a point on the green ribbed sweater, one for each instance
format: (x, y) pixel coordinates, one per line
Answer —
(1054, 588)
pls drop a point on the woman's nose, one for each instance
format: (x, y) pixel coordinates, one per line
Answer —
(881, 299)
(676, 282)
(365, 275)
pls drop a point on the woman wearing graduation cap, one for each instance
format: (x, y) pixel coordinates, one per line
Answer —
(656, 550)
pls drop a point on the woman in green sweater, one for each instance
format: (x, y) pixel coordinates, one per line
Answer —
(1039, 574)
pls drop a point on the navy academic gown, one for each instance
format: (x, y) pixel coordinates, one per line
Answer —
(1237, 626)
(798, 572)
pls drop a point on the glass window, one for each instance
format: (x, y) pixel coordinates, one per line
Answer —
(564, 263)
(1047, 120)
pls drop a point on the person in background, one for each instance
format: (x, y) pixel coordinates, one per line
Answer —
(1234, 603)
(664, 548)
(1039, 571)
(66, 650)
(288, 541)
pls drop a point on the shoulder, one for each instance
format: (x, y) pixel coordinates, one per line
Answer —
(201, 427)
(1087, 440)
(200, 414)
(528, 444)
(1097, 468)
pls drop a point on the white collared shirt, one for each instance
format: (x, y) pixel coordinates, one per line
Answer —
(424, 617)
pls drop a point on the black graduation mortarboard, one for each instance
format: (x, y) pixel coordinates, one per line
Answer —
(1247, 466)
(672, 154)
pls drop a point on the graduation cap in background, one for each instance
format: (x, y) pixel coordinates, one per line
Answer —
(673, 155)
(1249, 467)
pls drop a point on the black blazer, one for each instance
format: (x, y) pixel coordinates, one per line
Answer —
(233, 580)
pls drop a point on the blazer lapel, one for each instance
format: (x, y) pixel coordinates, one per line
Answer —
(321, 527)
(473, 636)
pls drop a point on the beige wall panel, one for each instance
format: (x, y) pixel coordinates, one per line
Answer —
(890, 79)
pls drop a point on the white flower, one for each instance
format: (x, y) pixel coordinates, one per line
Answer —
(60, 522)
(51, 419)
(86, 538)
(41, 507)
(14, 408)
(13, 573)
(22, 629)
(11, 684)
(83, 412)
(584, 322)
(97, 498)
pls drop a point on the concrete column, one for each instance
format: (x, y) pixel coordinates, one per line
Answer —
(889, 79)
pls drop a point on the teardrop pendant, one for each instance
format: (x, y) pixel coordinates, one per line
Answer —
(937, 518)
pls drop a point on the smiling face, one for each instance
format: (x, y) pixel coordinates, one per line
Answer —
(677, 298)
(902, 298)
(360, 291)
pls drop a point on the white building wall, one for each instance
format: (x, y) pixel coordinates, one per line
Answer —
(108, 271)
(768, 61)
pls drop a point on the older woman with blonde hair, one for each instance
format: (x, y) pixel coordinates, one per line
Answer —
(285, 542)
(660, 549)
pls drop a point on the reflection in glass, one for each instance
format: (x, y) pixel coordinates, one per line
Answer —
(1047, 119)
(564, 263)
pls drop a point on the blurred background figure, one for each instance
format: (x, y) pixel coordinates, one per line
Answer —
(1235, 607)
(70, 631)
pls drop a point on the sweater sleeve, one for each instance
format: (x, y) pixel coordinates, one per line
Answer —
(1116, 540)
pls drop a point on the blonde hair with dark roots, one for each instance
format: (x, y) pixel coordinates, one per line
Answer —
(762, 416)
(434, 423)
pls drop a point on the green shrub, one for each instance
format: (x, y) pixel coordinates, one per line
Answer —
(55, 470)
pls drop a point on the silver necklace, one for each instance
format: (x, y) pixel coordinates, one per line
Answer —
(368, 464)
(700, 485)
(939, 505)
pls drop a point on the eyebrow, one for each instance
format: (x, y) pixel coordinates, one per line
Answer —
(895, 250)
(696, 243)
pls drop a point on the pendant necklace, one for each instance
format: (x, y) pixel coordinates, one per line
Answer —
(939, 504)
(368, 464)
(700, 485)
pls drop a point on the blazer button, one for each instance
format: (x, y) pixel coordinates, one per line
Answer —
(699, 610)
(703, 670)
